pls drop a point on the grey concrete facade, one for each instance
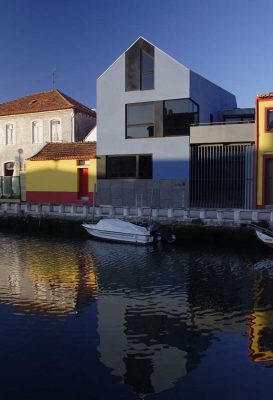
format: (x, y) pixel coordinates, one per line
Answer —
(227, 133)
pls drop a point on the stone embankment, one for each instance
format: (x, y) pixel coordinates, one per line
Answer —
(200, 227)
(169, 216)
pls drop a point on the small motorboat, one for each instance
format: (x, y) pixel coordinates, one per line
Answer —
(264, 234)
(122, 231)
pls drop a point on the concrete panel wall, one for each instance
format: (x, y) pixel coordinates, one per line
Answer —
(143, 193)
(232, 133)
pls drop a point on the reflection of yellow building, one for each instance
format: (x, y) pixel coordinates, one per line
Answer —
(261, 336)
(261, 327)
(50, 278)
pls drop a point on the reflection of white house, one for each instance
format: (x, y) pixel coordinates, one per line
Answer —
(38, 281)
(130, 354)
(27, 123)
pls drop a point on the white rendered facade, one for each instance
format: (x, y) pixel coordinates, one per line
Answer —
(172, 80)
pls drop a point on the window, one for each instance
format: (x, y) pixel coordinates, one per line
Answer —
(140, 120)
(270, 120)
(147, 71)
(179, 115)
(9, 134)
(37, 132)
(145, 167)
(136, 166)
(55, 130)
(139, 66)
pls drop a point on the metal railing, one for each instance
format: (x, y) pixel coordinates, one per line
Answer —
(10, 187)
(224, 123)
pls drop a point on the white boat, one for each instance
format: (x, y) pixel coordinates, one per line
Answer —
(265, 238)
(120, 231)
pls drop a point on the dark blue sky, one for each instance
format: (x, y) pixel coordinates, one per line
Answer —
(226, 41)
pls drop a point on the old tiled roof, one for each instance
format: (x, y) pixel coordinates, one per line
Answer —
(263, 96)
(45, 101)
(66, 151)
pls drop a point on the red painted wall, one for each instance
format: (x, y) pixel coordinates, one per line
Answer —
(57, 198)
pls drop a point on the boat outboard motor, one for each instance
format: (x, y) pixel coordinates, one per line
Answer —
(159, 231)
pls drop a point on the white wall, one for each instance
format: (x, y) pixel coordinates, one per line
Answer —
(23, 133)
(210, 97)
(171, 82)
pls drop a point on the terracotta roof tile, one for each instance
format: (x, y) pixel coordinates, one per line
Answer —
(265, 95)
(66, 151)
(45, 101)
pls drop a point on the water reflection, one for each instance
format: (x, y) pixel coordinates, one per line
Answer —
(46, 279)
(261, 326)
(153, 316)
(158, 313)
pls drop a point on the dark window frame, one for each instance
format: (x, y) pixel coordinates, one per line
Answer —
(267, 111)
(134, 67)
(146, 73)
(137, 166)
(164, 121)
(141, 124)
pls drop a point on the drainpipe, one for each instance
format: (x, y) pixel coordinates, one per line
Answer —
(72, 127)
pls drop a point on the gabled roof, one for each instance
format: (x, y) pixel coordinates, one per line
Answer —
(44, 101)
(66, 151)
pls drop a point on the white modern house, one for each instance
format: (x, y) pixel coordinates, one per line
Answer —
(146, 103)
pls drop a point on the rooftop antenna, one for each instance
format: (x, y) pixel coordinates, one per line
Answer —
(53, 77)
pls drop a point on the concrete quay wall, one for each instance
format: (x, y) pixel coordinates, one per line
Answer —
(169, 216)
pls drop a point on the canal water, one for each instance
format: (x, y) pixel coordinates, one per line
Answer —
(91, 320)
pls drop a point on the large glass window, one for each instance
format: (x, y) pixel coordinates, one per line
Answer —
(270, 120)
(140, 120)
(147, 71)
(139, 66)
(135, 166)
(178, 116)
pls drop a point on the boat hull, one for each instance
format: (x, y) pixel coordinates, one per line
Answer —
(266, 239)
(119, 236)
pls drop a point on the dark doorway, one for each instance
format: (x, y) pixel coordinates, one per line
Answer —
(83, 182)
(8, 169)
(269, 181)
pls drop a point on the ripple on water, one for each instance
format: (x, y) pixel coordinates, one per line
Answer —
(150, 315)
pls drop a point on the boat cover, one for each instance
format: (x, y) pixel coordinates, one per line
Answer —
(117, 225)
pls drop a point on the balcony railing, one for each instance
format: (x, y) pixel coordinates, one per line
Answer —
(225, 123)
(10, 187)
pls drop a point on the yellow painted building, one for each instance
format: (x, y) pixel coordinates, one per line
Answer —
(62, 173)
(264, 150)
